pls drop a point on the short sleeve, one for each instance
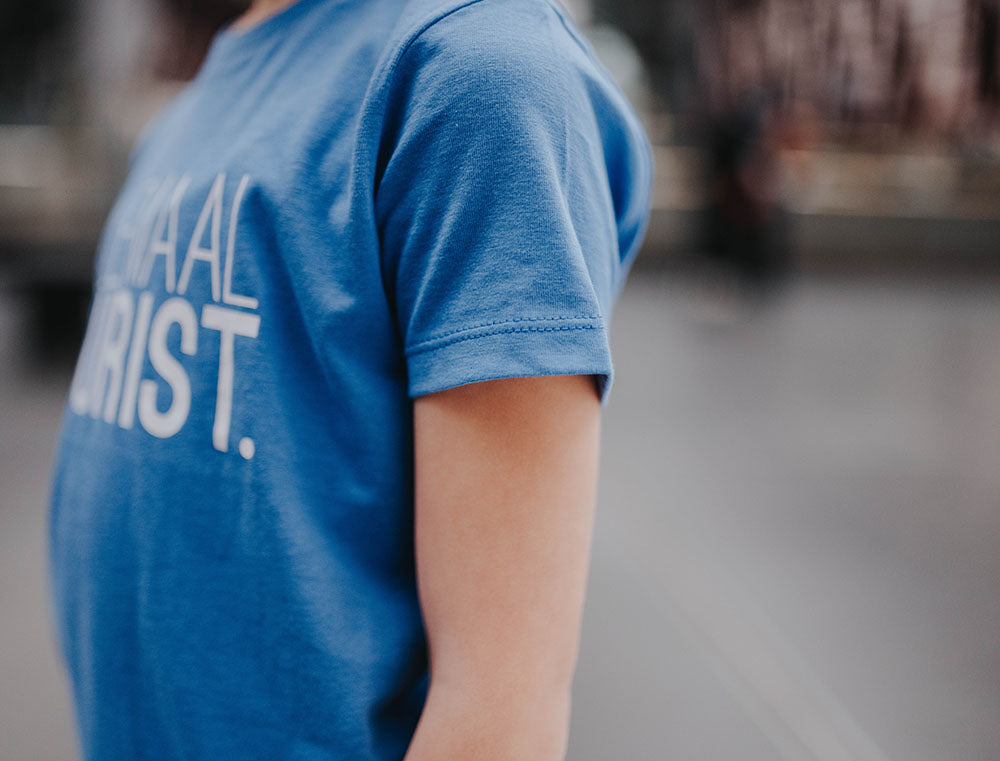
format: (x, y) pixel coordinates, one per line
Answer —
(513, 191)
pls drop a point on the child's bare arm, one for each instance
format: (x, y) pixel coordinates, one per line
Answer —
(506, 477)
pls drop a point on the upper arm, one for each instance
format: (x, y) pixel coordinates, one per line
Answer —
(506, 475)
(512, 187)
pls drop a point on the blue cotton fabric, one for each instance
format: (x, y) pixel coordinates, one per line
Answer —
(353, 204)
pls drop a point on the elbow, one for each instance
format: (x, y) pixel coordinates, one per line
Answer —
(496, 719)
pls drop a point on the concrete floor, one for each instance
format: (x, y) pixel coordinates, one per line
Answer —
(798, 546)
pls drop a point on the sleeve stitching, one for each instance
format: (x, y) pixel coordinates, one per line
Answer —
(436, 336)
(435, 343)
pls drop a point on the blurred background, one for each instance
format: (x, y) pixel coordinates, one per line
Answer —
(797, 554)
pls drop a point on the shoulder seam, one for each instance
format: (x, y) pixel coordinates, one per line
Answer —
(417, 30)
(414, 34)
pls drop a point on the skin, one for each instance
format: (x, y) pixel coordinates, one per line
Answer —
(258, 11)
(506, 479)
(505, 491)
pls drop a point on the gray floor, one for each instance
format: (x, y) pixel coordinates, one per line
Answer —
(798, 544)
(35, 723)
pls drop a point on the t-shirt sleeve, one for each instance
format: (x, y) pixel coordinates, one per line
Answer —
(512, 194)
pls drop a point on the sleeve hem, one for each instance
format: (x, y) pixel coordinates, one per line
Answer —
(512, 351)
(521, 325)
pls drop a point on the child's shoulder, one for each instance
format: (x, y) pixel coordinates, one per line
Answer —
(470, 36)
(421, 16)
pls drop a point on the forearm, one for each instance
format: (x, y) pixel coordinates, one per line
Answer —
(492, 723)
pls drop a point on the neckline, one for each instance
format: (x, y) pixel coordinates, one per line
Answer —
(229, 37)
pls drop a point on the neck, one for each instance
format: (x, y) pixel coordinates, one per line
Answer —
(260, 10)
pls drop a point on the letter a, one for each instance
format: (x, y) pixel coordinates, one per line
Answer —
(212, 209)
(167, 218)
(228, 297)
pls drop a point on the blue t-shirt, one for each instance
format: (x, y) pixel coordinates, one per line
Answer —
(355, 203)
